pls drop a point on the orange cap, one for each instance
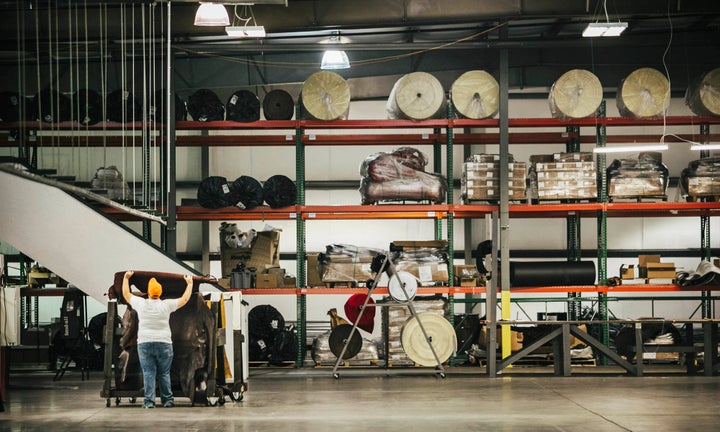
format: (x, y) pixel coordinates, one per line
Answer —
(154, 289)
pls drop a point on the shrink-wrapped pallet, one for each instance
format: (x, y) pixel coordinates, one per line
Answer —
(396, 315)
(645, 93)
(701, 178)
(637, 178)
(325, 95)
(480, 179)
(703, 94)
(576, 94)
(475, 95)
(416, 96)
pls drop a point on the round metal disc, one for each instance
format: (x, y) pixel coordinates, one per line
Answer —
(439, 332)
(396, 284)
(339, 335)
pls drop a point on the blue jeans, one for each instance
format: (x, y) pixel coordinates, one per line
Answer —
(155, 360)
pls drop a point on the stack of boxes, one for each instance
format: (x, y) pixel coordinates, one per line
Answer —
(568, 176)
(395, 316)
(481, 179)
(263, 254)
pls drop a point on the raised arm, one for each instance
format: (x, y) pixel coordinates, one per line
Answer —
(126, 286)
(188, 291)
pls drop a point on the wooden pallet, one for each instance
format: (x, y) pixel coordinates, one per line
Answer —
(703, 198)
(650, 198)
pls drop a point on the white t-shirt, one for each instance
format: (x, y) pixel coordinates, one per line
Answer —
(154, 318)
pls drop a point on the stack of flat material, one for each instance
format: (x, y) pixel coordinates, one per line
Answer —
(569, 176)
(637, 178)
(394, 318)
(325, 95)
(703, 94)
(400, 176)
(322, 355)
(481, 178)
(346, 264)
(427, 261)
(576, 94)
(701, 178)
(645, 93)
(416, 96)
(475, 95)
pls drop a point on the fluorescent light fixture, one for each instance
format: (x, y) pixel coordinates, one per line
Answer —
(334, 59)
(211, 14)
(245, 31)
(705, 147)
(606, 29)
(630, 148)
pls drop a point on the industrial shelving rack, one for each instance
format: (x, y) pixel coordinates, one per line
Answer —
(443, 134)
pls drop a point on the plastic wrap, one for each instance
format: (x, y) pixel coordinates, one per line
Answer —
(399, 176)
(214, 192)
(204, 105)
(429, 265)
(243, 106)
(158, 112)
(246, 193)
(703, 94)
(645, 93)
(122, 107)
(111, 182)
(325, 95)
(279, 191)
(416, 96)
(322, 355)
(480, 179)
(701, 178)
(88, 107)
(576, 94)
(642, 177)
(475, 95)
(51, 106)
(346, 263)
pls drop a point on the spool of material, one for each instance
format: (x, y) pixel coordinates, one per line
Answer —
(416, 96)
(279, 191)
(204, 105)
(339, 336)
(325, 95)
(576, 94)
(246, 193)
(243, 106)
(9, 106)
(122, 107)
(88, 107)
(549, 273)
(51, 107)
(475, 95)
(645, 93)
(214, 192)
(158, 111)
(703, 94)
(439, 333)
(278, 105)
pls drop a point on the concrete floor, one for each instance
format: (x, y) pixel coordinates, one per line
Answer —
(308, 399)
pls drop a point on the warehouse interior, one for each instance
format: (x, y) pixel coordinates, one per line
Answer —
(138, 178)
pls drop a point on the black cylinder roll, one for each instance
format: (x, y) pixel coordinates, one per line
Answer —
(51, 106)
(279, 191)
(122, 107)
(278, 105)
(214, 192)
(88, 107)
(243, 106)
(158, 112)
(9, 106)
(544, 273)
(246, 193)
(204, 105)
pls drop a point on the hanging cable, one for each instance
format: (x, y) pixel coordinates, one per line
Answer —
(87, 86)
(103, 75)
(133, 155)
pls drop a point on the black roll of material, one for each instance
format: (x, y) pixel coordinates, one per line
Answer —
(214, 192)
(243, 106)
(548, 273)
(9, 106)
(279, 191)
(51, 106)
(278, 105)
(88, 107)
(204, 105)
(246, 193)
(121, 107)
(158, 111)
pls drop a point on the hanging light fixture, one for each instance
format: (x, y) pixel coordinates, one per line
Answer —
(606, 29)
(699, 147)
(245, 17)
(211, 14)
(335, 59)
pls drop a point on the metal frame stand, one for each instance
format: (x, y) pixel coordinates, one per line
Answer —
(389, 267)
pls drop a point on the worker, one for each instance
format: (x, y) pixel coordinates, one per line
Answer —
(154, 337)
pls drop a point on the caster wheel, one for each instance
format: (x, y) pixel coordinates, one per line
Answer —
(442, 375)
(336, 376)
(212, 401)
(236, 396)
(221, 400)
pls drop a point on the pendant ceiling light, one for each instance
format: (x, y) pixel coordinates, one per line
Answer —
(604, 29)
(211, 14)
(335, 59)
(245, 17)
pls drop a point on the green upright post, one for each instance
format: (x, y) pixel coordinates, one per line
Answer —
(705, 247)
(602, 231)
(300, 243)
(573, 229)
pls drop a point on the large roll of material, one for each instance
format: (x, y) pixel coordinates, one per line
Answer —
(325, 95)
(204, 105)
(703, 94)
(122, 107)
(51, 106)
(645, 93)
(214, 193)
(246, 193)
(576, 94)
(278, 105)
(440, 334)
(416, 96)
(279, 191)
(243, 106)
(88, 107)
(548, 273)
(9, 106)
(475, 95)
(158, 111)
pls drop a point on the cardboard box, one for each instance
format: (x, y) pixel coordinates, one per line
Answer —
(313, 270)
(268, 280)
(516, 339)
(425, 272)
(264, 253)
(466, 275)
(643, 261)
(627, 272)
(657, 270)
(358, 271)
(417, 244)
(289, 281)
